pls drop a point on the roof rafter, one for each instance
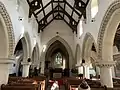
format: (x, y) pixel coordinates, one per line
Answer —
(58, 12)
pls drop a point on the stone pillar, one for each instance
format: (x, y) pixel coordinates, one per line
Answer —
(106, 72)
(113, 72)
(86, 73)
(97, 70)
(80, 70)
(26, 66)
(4, 70)
(42, 67)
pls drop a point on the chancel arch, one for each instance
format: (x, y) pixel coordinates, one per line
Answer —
(57, 53)
(68, 48)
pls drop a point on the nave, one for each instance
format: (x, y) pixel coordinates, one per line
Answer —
(67, 44)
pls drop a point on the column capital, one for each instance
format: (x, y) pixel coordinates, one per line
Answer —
(107, 64)
(77, 65)
(26, 63)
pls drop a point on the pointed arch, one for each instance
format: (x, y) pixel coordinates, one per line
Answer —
(27, 36)
(78, 55)
(64, 43)
(107, 31)
(35, 55)
(87, 46)
(26, 44)
(8, 30)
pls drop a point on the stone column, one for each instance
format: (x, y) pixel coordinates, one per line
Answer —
(86, 73)
(4, 70)
(42, 67)
(26, 66)
(80, 70)
(113, 72)
(97, 70)
(106, 72)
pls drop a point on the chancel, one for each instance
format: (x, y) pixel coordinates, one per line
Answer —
(67, 44)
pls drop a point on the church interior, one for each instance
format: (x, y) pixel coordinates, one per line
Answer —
(60, 44)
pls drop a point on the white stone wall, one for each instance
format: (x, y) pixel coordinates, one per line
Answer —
(56, 26)
(62, 28)
(93, 27)
(23, 26)
(29, 26)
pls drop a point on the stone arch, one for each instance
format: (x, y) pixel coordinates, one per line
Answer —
(20, 54)
(78, 55)
(87, 45)
(107, 31)
(64, 43)
(27, 37)
(25, 48)
(26, 44)
(8, 29)
(35, 55)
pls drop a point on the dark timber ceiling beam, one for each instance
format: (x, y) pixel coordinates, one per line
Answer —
(58, 12)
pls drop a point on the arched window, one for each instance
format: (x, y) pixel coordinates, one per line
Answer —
(80, 28)
(58, 58)
(94, 8)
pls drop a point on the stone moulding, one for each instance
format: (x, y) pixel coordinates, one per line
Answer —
(10, 32)
(112, 8)
(106, 64)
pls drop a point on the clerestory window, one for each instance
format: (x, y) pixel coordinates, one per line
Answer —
(94, 8)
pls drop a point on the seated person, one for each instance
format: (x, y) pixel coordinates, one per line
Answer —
(55, 86)
(84, 86)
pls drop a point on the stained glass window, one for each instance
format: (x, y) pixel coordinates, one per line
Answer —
(58, 58)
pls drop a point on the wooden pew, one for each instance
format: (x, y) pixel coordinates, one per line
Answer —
(74, 82)
(41, 80)
(19, 81)
(19, 87)
(15, 79)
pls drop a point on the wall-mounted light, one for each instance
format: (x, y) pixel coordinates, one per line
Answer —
(20, 18)
(57, 33)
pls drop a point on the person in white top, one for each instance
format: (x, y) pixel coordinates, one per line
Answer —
(84, 86)
(55, 86)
